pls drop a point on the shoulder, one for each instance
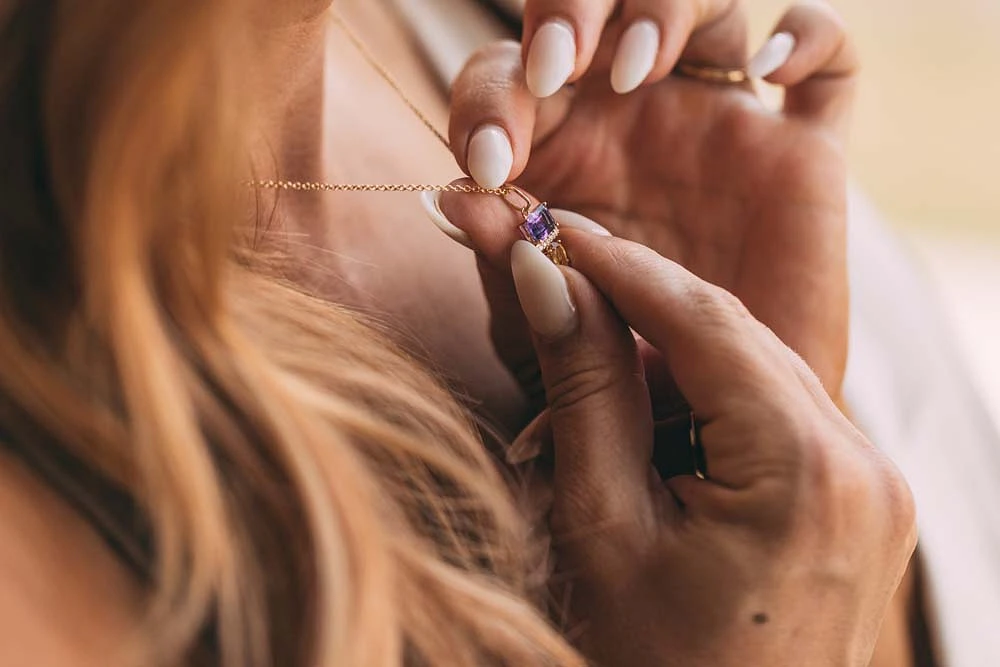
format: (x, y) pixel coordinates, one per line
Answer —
(65, 600)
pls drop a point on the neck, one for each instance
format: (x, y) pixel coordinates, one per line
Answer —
(291, 100)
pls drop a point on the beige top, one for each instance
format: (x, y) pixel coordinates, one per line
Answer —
(905, 384)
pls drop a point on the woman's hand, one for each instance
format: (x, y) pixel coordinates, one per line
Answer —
(788, 554)
(744, 197)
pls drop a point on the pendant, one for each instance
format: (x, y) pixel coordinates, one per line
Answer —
(541, 229)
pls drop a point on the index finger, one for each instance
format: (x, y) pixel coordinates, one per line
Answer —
(718, 353)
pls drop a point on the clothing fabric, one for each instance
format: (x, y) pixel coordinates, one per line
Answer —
(906, 385)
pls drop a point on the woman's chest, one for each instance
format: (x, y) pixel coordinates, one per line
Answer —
(378, 251)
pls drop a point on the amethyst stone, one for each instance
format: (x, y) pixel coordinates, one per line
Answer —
(539, 226)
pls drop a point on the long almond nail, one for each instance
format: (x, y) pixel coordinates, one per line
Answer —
(524, 449)
(551, 59)
(532, 440)
(490, 156)
(574, 220)
(431, 202)
(635, 57)
(543, 292)
(772, 56)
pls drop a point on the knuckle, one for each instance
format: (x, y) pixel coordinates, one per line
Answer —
(486, 57)
(628, 258)
(580, 383)
(901, 504)
(833, 468)
(715, 306)
(714, 11)
(857, 485)
(819, 12)
(647, 267)
(491, 70)
(821, 21)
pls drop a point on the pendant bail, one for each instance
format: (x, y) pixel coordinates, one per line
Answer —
(525, 208)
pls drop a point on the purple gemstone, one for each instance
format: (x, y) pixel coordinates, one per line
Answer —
(540, 227)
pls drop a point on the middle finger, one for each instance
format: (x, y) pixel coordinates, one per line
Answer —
(561, 39)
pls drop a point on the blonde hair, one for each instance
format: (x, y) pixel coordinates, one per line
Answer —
(288, 486)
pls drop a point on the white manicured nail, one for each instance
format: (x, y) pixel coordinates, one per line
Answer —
(432, 206)
(551, 59)
(490, 156)
(543, 292)
(524, 449)
(772, 56)
(530, 443)
(635, 57)
(574, 220)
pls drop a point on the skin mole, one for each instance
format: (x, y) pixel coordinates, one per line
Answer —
(760, 618)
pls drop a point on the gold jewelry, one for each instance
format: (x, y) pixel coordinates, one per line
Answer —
(540, 227)
(732, 76)
(697, 450)
(314, 186)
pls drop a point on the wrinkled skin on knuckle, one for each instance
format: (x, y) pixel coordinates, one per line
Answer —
(718, 310)
(836, 475)
(628, 258)
(775, 499)
(792, 486)
(488, 74)
(486, 58)
(762, 466)
(589, 380)
(900, 506)
(860, 517)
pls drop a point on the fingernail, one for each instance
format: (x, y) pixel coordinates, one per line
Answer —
(532, 441)
(772, 56)
(574, 220)
(431, 202)
(490, 156)
(543, 292)
(524, 449)
(551, 59)
(635, 57)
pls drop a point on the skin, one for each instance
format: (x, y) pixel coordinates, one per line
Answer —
(344, 257)
(800, 512)
(748, 198)
(65, 599)
(347, 258)
(337, 121)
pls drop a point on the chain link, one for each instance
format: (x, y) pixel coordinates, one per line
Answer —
(313, 186)
(388, 78)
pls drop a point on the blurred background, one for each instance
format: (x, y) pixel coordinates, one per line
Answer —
(926, 149)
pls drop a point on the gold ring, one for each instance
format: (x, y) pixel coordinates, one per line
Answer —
(697, 450)
(731, 76)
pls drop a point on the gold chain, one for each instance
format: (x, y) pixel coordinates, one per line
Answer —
(313, 186)
(387, 77)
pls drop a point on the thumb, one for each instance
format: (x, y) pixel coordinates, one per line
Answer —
(602, 423)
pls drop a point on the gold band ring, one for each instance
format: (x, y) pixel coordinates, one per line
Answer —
(732, 76)
(697, 450)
